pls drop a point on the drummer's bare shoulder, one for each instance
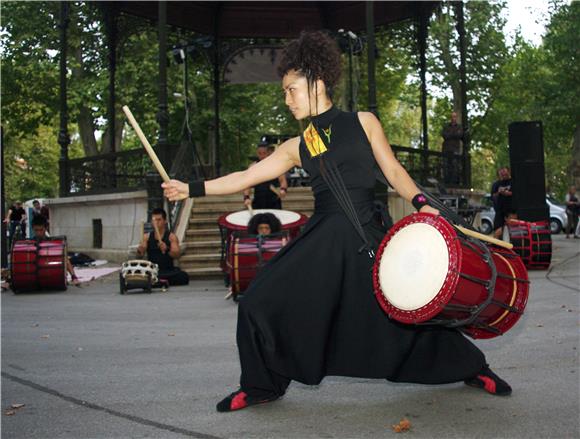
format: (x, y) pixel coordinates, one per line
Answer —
(291, 148)
(375, 135)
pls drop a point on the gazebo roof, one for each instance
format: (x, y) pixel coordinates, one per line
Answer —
(241, 19)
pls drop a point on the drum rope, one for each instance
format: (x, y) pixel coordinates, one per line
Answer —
(331, 175)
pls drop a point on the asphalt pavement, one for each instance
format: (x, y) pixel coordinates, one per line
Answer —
(91, 363)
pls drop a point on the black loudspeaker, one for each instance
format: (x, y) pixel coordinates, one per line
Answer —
(526, 141)
(528, 173)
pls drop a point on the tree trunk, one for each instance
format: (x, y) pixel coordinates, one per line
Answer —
(445, 39)
(84, 118)
(106, 142)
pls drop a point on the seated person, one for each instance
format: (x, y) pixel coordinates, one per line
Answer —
(163, 249)
(39, 226)
(264, 224)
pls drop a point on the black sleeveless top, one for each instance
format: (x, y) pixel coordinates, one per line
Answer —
(264, 198)
(164, 261)
(351, 151)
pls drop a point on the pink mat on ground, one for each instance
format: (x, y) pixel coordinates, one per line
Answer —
(89, 274)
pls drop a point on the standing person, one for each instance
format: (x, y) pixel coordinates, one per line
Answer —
(311, 311)
(16, 219)
(452, 134)
(501, 195)
(572, 211)
(264, 197)
(162, 249)
(40, 210)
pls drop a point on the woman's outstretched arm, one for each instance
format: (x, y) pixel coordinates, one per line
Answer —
(283, 159)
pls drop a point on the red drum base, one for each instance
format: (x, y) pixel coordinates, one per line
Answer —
(533, 242)
(39, 265)
(247, 255)
(426, 272)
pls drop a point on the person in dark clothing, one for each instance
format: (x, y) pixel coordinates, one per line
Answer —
(162, 247)
(452, 135)
(16, 220)
(311, 312)
(264, 224)
(264, 197)
(572, 211)
(39, 210)
(501, 195)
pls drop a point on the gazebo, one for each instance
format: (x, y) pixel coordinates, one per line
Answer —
(224, 21)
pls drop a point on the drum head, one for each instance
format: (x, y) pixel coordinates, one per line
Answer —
(242, 217)
(414, 266)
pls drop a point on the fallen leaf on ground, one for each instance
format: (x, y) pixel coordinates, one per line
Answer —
(540, 326)
(171, 334)
(403, 425)
(45, 336)
(17, 406)
(9, 412)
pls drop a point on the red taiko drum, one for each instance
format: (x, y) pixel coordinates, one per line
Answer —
(39, 265)
(235, 226)
(246, 255)
(426, 272)
(533, 242)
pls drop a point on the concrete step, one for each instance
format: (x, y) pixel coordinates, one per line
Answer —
(216, 199)
(217, 210)
(200, 260)
(202, 247)
(210, 233)
(203, 272)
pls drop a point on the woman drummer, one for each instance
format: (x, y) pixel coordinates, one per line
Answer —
(311, 311)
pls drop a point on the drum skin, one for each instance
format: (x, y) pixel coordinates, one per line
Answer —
(463, 294)
(39, 265)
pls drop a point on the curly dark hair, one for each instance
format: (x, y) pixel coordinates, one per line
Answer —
(315, 55)
(264, 218)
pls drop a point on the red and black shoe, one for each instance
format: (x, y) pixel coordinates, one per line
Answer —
(490, 382)
(240, 400)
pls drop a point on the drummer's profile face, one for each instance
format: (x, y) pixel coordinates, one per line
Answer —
(158, 220)
(39, 231)
(295, 87)
(264, 229)
(262, 152)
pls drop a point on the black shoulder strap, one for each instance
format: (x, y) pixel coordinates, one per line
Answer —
(333, 178)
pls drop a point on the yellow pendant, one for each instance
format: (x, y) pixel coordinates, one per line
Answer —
(313, 141)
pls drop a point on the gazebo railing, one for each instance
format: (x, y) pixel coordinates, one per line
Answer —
(422, 164)
(106, 173)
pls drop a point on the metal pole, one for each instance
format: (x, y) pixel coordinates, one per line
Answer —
(422, 37)
(4, 247)
(371, 58)
(162, 113)
(63, 137)
(466, 180)
(216, 89)
(350, 84)
(111, 27)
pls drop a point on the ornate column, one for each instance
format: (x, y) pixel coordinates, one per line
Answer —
(63, 137)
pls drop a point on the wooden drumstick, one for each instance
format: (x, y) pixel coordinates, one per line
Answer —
(146, 144)
(157, 234)
(483, 237)
(249, 206)
(275, 190)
